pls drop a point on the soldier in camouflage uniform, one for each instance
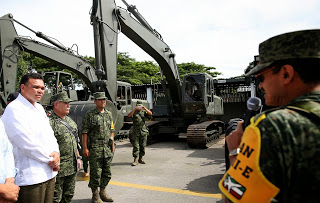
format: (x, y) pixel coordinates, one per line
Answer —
(97, 124)
(63, 126)
(278, 155)
(140, 132)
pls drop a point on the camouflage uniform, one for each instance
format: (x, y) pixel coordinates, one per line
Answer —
(98, 126)
(66, 178)
(290, 150)
(280, 149)
(139, 132)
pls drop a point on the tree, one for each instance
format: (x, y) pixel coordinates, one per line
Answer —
(185, 68)
(128, 69)
(23, 66)
(27, 62)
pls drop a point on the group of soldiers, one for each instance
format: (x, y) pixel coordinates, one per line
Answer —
(97, 145)
(274, 159)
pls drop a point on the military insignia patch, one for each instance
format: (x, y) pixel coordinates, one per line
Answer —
(233, 187)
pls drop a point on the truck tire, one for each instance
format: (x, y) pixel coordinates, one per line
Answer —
(232, 125)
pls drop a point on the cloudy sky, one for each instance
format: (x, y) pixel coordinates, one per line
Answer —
(218, 33)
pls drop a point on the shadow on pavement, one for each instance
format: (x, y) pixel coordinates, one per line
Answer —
(216, 154)
(208, 184)
(180, 144)
(122, 144)
(121, 164)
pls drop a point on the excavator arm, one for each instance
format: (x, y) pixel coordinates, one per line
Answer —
(11, 44)
(157, 49)
(105, 28)
(108, 21)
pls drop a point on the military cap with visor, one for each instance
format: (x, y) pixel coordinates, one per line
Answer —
(99, 95)
(139, 103)
(61, 96)
(292, 45)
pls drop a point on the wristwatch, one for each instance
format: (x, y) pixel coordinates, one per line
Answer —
(79, 157)
(234, 152)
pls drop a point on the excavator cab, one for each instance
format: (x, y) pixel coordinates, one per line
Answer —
(193, 90)
(55, 82)
(198, 96)
(124, 98)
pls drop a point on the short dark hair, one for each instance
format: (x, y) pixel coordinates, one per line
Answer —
(307, 68)
(24, 80)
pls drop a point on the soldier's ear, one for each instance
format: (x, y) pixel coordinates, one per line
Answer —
(55, 104)
(287, 72)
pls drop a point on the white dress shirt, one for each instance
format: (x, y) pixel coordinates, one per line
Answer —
(7, 169)
(33, 140)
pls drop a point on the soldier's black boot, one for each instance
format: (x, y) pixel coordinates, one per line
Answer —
(95, 196)
(135, 162)
(104, 196)
(141, 161)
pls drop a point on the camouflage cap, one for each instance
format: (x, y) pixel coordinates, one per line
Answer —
(61, 96)
(99, 95)
(139, 102)
(299, 44)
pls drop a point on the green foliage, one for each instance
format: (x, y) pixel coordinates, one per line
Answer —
(185, 68)
(23, 65)
(129, 70)
(27, 62)
(145, 72)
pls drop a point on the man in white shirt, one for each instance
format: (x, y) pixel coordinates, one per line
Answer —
(35, 147)
(8, 190)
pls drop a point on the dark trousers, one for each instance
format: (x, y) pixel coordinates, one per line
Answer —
(38, 193)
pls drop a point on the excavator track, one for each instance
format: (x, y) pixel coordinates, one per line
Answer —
(202, 135)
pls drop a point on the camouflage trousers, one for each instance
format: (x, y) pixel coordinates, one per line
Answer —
(100, 171)
(139, 142)
(64, 188)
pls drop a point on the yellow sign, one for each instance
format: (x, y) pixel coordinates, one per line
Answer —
(244, 181)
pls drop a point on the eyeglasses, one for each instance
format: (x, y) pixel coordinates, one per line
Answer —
(260, 77)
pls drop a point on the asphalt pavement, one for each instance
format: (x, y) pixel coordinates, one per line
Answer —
(173, 173)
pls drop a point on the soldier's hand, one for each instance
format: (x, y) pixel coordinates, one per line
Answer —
(86, 152)
(233, 140)
(79, 164)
